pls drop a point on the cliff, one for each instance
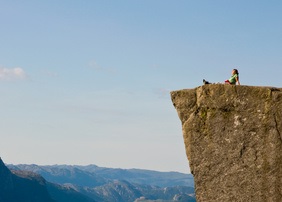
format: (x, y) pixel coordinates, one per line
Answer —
(233, 140)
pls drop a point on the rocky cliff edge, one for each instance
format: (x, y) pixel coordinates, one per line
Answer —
(233, 140)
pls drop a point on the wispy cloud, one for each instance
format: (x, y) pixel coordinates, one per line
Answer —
(155, 66)
(16, 73)
(49, 73)
(93, 64)
(162, 92)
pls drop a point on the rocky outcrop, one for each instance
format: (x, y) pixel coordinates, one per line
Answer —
(233, 140)
(22, 186)
(6, 182)
(26, 186)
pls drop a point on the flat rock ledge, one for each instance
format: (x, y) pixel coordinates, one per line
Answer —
(233, 140)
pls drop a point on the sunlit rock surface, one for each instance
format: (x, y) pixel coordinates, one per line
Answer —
(233, 139)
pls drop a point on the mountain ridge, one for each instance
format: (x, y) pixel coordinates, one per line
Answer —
(141, 176)
(120, 186)
(22, 186)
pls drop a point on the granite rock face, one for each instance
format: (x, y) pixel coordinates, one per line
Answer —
(233, 140)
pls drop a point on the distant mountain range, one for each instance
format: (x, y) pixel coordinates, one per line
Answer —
(92, 183)
(25, 186)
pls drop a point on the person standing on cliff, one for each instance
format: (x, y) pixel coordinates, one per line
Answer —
(234, 78)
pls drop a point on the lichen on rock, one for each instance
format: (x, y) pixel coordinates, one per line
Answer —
(233, 140)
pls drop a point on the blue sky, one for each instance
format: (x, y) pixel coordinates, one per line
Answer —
(88, 82)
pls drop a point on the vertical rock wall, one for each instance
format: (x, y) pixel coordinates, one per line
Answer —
(233, 139)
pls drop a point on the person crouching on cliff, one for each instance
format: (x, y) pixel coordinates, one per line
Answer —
(234, 78)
